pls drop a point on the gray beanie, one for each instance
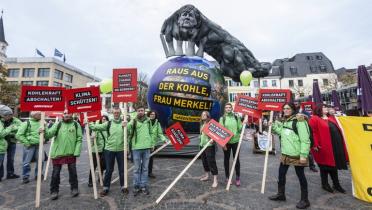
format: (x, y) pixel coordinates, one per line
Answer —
(5, 110)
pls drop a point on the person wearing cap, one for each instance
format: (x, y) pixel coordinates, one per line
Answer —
(8, 128)
(65, 150)
(28, 134)
(8, 120)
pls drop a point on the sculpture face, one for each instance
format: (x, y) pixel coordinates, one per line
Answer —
(187, 19)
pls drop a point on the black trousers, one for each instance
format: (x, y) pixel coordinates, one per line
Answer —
(209, 160)
(226, 159)
(333, 173)
(54, 184)
(101, 161)
(299, 172)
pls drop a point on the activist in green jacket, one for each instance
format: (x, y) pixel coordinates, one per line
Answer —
(233, 123)
(68, 138)
(115, 134)
(101, 137)
(156, 132)
(28, 132)
(140, 133)
(3, 133)
(204, 139)
(15, 122)
(292, 144)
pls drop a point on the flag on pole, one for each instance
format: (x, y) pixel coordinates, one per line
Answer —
(64, 58)
(57, 53)
(40, 53)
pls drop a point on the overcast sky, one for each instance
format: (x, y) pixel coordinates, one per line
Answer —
(97, 36)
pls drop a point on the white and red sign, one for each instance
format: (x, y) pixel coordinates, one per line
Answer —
(124, 85)
(308, 107)
(217, 132)
(54, 114)
(177, 136)
(42, 98)
(92, 116)
(83, 99)
(247, 105)
(273, 99)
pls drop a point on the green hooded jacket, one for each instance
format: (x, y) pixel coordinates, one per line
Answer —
(16, 123)
(234, 125)
(204, 139)
(28, 132)
(292, 144)
(101, 137)
(3, 133)
(68, 140)
(115, 136)
(157, 133)
(141, 135)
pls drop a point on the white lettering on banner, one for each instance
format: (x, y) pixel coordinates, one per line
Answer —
(272, 106)
(84, 107)
(43, 106)
(124, 95)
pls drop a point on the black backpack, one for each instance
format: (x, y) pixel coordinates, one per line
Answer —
(294, 128)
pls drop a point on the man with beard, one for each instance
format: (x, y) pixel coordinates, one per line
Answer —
(29, 135)
(139, 132)
(114, 149)
(66, 147)
(8, 120)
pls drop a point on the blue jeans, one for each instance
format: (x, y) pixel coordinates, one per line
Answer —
(10, 158)
(110, 163)
(141, 163)
(28, 154)
(1, 165)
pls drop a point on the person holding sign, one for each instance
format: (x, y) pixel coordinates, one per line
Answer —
(329, 149)
(66, 148)
(114, 149)
(233, 123)
(29, 135)
(139, 132)
(209, 154)
(295, 150)
(101, 137)
(156, 134)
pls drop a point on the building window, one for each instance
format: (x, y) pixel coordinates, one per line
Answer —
(27, 83)
(58, 74)
(315, 80)
(319, 57)
(273, 83)
(13, 73)
(302, 94)
(28, 72)
(255, 84)
(370, 73)
(290, 83)
(264, 83)
(42, 83)
(68, 78)
(229, 82)
(300, 83)
(12, 82)
(323, 68)
(43, 72)
(313, 69)
(293, 70)
(309, 58)
(57, 84)
(68, 86)
(325, 81)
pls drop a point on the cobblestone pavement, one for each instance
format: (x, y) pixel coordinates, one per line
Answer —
(188, 193)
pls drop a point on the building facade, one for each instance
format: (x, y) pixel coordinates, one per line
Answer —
(48, 71)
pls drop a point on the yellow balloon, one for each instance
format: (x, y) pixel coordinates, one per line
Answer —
(106, 86)
(246, 77)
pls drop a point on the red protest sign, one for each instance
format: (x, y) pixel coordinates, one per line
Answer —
(54, 114)
(42, 98)
(83, 99)
(247, 105)
(124, 85)
(273, 99)
(308, 107)
(217, 132)
(92, 116)
(177, 136)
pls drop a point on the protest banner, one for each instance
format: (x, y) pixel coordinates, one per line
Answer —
(357, 132)
(92, 116)
(124, 90)
(217, 132)
(177, 136)
(56, 114)
(308, 107)
(273, 100)
(41, 98)
(247, 105)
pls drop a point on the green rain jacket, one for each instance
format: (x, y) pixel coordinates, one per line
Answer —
(28, 132)
(234, 124)
(140, 133)
(115, 134)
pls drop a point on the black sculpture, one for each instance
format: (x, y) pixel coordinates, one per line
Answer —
(189, 24)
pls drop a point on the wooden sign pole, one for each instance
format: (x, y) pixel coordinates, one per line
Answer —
(98, 160)
(40, 161)
(125, 149)
(49, 153)
(268, 145)
(90, 156)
